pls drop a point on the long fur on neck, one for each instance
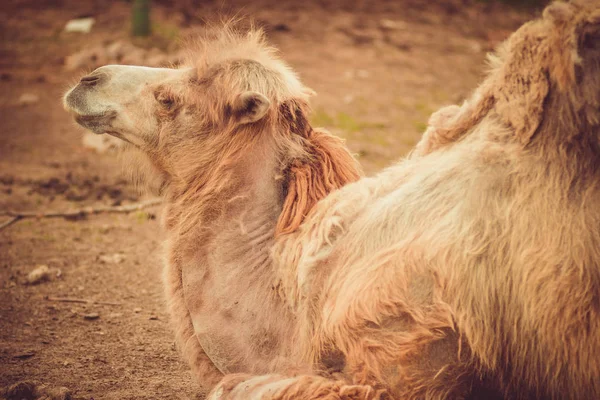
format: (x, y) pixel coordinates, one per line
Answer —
(324, 166)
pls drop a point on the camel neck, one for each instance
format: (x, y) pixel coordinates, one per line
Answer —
(238, 214)
(227, 276)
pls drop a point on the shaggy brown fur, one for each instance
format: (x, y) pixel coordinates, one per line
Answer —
(473, 265)
(281, 155)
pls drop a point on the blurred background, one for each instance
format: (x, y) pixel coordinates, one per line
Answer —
(81, 302)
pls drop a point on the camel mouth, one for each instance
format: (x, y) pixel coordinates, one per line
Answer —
(97, 123)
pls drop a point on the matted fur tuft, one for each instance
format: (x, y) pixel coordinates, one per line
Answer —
(323, 166)
(523, 71)
(329, 167)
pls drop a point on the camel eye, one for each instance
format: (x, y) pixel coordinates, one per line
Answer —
(165, 100)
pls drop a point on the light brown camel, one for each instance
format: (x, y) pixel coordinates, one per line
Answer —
(473, 264)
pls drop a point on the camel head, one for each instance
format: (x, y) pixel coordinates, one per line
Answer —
(230, 83)
(543, 85)
(127, 101)
(233, 109)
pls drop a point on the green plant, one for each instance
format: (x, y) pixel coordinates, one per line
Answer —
(140, 18)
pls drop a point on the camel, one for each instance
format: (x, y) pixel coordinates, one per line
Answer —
(469, 268)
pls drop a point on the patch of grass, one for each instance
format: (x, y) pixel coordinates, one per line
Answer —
(166, 31)
(423, 108)
(48, 237)
(321, 118)
(347, 123)
(378, 138)
(163, 37)
(420, 126)
(352, 128)
(142, 216)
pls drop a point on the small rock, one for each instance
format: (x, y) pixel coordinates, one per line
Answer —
(25, 354)
(137, 310)
(38, 275)
(28, 99)
(115, 258)
(80, 25)
(91, 316)
(153, 318)
(391, 24)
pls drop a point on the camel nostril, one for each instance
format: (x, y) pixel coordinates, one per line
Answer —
(90, 80)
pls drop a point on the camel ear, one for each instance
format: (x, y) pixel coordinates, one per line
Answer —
(250, 107)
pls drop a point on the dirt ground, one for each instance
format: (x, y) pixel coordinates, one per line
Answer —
(379, 68)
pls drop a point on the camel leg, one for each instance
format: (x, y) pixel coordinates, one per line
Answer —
(399, 333)
(203, 369)
(411, 365)
(279, 387)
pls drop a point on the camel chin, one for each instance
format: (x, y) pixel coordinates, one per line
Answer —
(98, 124)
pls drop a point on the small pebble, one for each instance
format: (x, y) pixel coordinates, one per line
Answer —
(115, 258)
(25, 354)
(27, 99)
(40, 274)
(91, 316)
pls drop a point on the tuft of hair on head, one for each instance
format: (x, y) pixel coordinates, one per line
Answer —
(236, 40)
(324, 165)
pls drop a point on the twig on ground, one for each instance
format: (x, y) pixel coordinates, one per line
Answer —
(9, 222)
(74, 300)
(18, 215)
